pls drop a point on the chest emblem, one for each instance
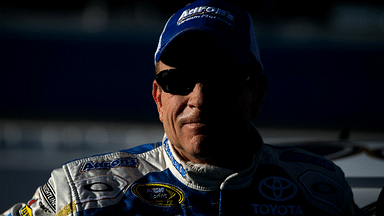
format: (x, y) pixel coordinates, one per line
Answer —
(277, 188)
(159, 194)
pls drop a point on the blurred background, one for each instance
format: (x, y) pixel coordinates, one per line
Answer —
(75, 78)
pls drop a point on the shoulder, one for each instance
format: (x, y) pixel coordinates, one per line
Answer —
(321, 181)
(303, 165)
(297, 157)
(307, 169)
(101, 180)
(115, 161)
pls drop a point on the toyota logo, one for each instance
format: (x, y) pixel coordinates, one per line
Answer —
(277, 189)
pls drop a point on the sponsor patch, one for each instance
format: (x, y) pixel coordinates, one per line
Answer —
(159, 194)
(206, 11)
(323, 188)
(99, 188)
(26, 211)
(45, 209)
(300, 157)
(269, 209)
(105, 165)
(49, 195)
(277, 188)
(31, 202)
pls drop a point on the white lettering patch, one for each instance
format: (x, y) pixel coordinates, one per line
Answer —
(209, 12)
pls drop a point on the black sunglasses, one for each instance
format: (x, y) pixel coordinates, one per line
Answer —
(181, 82)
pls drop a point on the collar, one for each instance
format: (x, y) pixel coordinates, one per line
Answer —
(208, 177)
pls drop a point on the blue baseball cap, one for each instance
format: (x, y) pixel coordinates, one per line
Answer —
(229, 25)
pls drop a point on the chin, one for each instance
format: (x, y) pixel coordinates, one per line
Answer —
(205, 145)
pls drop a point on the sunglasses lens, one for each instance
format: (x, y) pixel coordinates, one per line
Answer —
(180, 82)
(175, 81)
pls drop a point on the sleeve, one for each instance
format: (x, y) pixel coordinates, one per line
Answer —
(42, 203)
(46, 201)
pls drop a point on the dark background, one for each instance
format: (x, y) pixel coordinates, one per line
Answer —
(94, 60)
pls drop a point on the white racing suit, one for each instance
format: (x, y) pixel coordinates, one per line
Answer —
(151, 180)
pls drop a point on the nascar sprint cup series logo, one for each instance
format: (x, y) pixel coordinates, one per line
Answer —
(159, 194)
(208, 12)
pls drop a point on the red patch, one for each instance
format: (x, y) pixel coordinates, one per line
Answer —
(31, 202)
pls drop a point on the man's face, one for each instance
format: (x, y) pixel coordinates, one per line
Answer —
(202, 124)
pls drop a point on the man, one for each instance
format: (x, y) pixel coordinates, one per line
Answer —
(209, 85)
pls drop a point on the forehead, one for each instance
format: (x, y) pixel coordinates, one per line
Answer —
(197, 50)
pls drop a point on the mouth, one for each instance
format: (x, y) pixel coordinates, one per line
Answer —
(197, 127)
(196, 124)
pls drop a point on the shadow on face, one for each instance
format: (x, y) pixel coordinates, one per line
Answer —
(202, 57)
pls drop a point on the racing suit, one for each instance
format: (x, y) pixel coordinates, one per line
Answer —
(151, 180)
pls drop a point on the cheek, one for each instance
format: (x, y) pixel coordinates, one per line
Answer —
(245, 102)
(172, 108)
(239, 111)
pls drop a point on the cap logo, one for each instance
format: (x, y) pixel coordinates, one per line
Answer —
(206, 11)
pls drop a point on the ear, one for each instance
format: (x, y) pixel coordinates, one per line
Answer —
(259, 93)
(156, 94)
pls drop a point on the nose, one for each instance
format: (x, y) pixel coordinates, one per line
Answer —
(198, 98)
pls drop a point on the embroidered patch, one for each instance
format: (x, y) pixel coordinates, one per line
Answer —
(99, 188)
(105, 165)
(159, 194)
(323, 188)
(277, 188)
(206, 11)
(31, 202)
(45, 209)
(49, 195)
(300, 157)
(26, 211)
